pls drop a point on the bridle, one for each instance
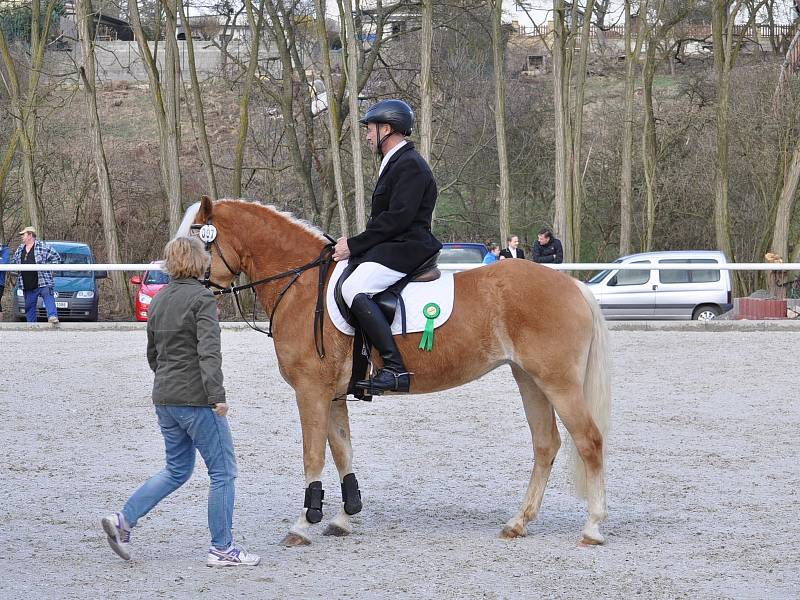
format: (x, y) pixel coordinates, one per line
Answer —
(208, 235)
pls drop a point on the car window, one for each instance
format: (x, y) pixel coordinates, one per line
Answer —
(686, 276)
(156, 278)
(632, 277)
(460, 255)
(602, 274)
(73, 258)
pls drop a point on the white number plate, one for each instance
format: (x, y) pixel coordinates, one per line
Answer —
(62, 304)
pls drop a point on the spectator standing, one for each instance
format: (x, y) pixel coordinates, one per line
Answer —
(183, 350)
(512, 250)
(4, 254)
(547, 248)
(493, 255)
(37, 283)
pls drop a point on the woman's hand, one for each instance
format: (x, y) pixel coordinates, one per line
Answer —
(220, 409)
(341, 250)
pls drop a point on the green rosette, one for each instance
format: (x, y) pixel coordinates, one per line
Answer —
(430, 311)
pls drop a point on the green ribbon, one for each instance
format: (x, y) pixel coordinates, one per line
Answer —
(430, 311)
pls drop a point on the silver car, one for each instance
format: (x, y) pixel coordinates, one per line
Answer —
(665, 294)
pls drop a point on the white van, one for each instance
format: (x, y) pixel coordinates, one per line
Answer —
(668, 294)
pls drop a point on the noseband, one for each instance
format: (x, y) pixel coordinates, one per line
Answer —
(208, 235)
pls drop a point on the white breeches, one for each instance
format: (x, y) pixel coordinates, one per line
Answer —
(369, 278)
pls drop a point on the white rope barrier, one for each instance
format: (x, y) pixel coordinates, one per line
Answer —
(137, 267)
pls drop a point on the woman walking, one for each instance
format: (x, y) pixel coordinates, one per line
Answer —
(183, 349)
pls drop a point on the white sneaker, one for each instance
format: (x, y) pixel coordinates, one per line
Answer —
(53, 320)
(119, 538)
(233, 557)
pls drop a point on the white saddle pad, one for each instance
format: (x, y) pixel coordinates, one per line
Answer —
(415, 295)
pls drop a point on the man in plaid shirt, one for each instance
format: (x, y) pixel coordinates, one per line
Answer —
(37, 283)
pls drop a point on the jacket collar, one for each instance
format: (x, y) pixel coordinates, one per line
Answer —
(406, 147)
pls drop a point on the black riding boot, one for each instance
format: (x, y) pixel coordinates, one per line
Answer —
(393, 377)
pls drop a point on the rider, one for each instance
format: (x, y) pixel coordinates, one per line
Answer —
(398, 236)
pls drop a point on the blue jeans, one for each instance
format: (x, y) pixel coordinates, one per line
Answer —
(185, 428)
(31, 296)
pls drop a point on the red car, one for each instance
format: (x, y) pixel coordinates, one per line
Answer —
(150, 283)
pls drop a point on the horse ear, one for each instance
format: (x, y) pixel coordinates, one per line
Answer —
(206, 208)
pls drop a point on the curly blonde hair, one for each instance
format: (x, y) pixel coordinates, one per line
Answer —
(186, 257)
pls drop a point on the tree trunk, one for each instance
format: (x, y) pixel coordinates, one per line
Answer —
(722, 66)
(24, 107)
(562, 64)
(165, 112)
(780, 240)
(84, 14)
(334, 120)
(626, 173)
(199, 124)
(500, 117)
(425, 82)
(649, 145)
(355, 129)
(255, 23)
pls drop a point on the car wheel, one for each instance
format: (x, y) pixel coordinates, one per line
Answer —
(706, 313)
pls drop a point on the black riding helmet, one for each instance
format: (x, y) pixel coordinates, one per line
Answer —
(396, 113)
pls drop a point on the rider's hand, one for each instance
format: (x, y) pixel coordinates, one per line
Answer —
(221, 409)
(341, 250)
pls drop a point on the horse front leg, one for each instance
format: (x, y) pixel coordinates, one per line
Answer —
(342, 450)
(314, 407)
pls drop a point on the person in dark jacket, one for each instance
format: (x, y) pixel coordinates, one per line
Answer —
(547, 249)
(398, 236)
(4, 256)
(512, 249)
(183, 350)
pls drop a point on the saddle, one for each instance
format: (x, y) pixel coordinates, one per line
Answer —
(388, 300)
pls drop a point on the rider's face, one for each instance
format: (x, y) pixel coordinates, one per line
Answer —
(373, 135)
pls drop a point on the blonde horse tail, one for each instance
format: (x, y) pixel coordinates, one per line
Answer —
(596, 388)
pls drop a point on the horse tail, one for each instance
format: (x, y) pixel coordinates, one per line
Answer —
(596, 388)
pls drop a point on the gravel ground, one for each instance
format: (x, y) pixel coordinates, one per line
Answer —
(702, 480)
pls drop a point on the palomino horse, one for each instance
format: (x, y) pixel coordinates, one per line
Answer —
(545, 325)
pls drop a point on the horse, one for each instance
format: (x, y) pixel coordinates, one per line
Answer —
(545, 325)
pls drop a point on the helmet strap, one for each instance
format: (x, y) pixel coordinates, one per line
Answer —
(383, 139)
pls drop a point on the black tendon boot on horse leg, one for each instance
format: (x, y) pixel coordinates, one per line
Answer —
(393, 377)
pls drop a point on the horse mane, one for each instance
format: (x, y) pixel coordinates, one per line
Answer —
(191, 214)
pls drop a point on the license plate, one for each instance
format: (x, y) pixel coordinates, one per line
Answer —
(62, 304)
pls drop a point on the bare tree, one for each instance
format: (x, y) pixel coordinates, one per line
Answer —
(498, 59)
(353, 59)
(199, 122)
(334, 118)
(166, 102)
(632, 55)
(255, 20)
(85, 14)
(570, 25)
(727, 44)
(25, 102)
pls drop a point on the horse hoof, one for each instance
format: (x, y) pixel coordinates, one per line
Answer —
(595, 540)
(511, 533)
(293, 540)
(335, 530)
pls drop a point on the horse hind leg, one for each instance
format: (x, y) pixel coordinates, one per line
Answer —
(342, 450)
(588, 466)
(546, 442)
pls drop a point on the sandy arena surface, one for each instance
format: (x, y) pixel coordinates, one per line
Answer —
(703, 480)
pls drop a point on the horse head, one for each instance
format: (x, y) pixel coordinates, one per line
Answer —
(210, 223)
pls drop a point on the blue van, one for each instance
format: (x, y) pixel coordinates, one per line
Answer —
(75, 292)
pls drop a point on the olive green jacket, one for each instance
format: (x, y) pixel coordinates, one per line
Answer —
(183, 345)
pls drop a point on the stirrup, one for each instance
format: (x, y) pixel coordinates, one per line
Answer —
(380, 382)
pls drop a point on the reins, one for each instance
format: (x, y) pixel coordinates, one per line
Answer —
(208, 234)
